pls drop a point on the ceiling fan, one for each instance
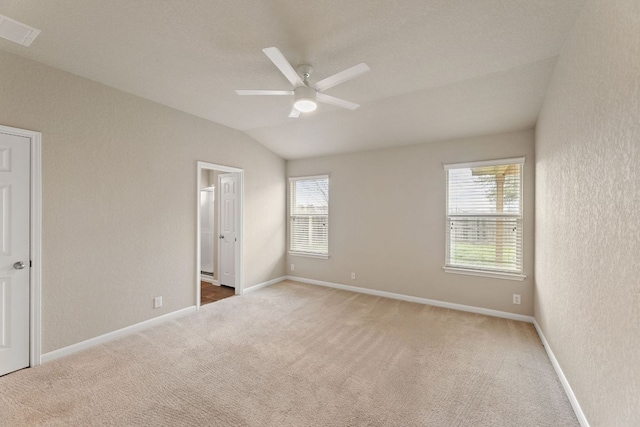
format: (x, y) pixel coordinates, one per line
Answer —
(304, 94)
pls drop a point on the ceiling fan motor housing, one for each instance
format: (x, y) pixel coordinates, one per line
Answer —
(304, 99)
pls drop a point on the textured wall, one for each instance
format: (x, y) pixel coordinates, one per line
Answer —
(588, 212)
(119, 199)
(387, 221)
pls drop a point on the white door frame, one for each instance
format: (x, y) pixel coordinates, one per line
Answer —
(240, 212)
(35, 245)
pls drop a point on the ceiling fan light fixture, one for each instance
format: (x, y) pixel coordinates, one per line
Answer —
(305, 105)
(305, 99)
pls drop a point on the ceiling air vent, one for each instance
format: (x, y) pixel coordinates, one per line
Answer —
(17, 32)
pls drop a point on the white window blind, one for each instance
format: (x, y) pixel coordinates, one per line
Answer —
(484, 216)
(309, 215)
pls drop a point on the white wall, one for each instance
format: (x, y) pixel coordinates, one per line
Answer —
(119, 199)
(387, 221)
(204, 178)
(209, 178)
(588, 212)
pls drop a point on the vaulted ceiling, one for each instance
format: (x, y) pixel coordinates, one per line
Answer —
(440, 69)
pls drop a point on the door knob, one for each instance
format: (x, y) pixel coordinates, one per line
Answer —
(18, 265)
(221, 237)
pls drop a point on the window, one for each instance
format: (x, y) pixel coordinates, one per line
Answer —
(309, 216)
(484, 218)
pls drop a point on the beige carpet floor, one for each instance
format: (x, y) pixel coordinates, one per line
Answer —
(299, 355)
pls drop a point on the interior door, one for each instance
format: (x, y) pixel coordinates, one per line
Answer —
(14, 252)
(228, 185)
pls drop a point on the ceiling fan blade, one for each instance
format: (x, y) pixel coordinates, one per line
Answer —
(283, 65)
(294, 113)
(342, 77)
(328, 99)
(264, 92)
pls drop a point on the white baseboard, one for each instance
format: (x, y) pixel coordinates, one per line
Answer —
(436, 303)
(264, 284)
(65, 351)
(209, 279)
(582, 419)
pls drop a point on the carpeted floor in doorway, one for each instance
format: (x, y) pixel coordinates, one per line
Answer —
(300, 355)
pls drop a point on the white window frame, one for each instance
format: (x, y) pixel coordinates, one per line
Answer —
(475, 271)
(289, 214)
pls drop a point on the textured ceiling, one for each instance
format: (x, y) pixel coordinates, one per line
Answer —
(440, 69)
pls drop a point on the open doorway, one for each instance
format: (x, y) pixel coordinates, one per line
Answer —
(219, 232)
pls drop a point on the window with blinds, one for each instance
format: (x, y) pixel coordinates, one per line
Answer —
(309, 215)
(484, 216)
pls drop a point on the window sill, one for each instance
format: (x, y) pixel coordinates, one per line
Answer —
(482, 273)
(305, 255)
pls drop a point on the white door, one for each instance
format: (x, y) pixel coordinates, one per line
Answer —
(14, 252)
(228, 185)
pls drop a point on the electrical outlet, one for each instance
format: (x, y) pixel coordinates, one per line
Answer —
(293, 267)
(353, 276)
(157, 302)
(516, 299)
